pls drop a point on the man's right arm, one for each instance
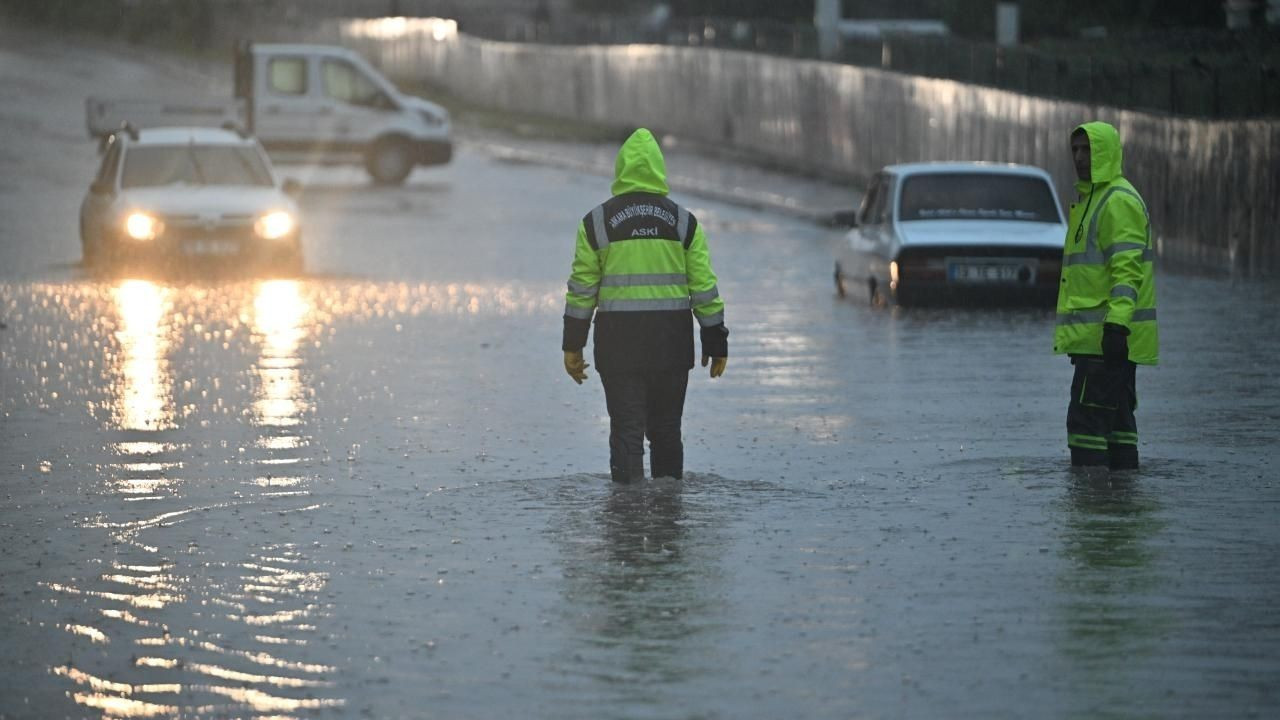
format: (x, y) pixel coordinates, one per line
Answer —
(584, 288)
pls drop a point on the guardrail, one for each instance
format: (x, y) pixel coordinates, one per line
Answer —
(1211, 185)
(1239, 89)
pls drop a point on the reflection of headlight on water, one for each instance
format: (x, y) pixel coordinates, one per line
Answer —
(141, 226)
(274, 225)
(279, 312)
(143, 392)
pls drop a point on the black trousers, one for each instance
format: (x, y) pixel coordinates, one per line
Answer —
(645, 404)
(1101, 427)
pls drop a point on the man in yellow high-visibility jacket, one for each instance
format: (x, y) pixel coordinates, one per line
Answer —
(640, 266)
(1106, 303)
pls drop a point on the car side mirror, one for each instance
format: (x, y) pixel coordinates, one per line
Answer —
(291, 187)
(844, 218)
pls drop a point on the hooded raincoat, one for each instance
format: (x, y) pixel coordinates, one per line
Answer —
(640, 265)
(1107, 262)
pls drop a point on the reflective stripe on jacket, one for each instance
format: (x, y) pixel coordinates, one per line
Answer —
(641, 264)
(1108, 268)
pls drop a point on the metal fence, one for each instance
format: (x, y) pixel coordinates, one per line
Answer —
(1178, 83)
(1163, 73)
(1211, 185)
(1175, 82)
(1239, 79)
(1236, 90)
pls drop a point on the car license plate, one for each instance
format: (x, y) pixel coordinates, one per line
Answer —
(988, 271)
(209, 247)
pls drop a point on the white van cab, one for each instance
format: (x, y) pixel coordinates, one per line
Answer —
(305, 103)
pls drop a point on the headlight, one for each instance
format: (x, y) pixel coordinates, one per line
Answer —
(141, 226)
(274, 225)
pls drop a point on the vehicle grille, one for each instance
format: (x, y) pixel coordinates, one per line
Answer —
(209, 234)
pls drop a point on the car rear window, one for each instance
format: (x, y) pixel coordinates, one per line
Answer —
(193, 165)
(977, 196)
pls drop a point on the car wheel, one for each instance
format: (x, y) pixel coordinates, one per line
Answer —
(839, 281)
(389, 161)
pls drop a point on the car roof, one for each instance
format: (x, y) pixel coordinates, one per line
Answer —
(190, 135)
(976, 166)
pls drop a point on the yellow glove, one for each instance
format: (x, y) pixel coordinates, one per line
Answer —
(717, 365)
(575, 365)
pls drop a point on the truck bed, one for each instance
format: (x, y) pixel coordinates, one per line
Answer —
(104, 116)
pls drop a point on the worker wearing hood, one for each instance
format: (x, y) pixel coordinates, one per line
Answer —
(642, 269)
(1106, 318)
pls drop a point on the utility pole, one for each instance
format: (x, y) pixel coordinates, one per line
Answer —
(826, 20)
(1007, 24)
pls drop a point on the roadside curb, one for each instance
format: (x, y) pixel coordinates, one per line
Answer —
(740, 196)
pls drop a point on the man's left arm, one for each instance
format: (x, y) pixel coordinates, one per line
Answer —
(1123, 239)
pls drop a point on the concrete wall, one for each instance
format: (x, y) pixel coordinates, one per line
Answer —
(1212, 186)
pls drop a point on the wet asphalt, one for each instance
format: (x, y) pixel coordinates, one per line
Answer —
(371, 490)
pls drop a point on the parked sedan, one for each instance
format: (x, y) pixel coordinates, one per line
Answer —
(971, 231)
(165, 195)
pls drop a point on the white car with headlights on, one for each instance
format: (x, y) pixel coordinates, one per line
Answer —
(189, 194)
(954, 231)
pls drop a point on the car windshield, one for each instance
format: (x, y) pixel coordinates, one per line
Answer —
(977, 196)
(193, 165)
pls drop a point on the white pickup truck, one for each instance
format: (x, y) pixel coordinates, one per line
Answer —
(305, 103)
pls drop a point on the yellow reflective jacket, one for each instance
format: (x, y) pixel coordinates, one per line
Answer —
(1108, 268)
(640, 265)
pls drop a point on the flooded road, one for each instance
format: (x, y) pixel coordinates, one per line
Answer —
(371, 491)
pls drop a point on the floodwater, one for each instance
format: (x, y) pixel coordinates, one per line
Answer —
(371, 491)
